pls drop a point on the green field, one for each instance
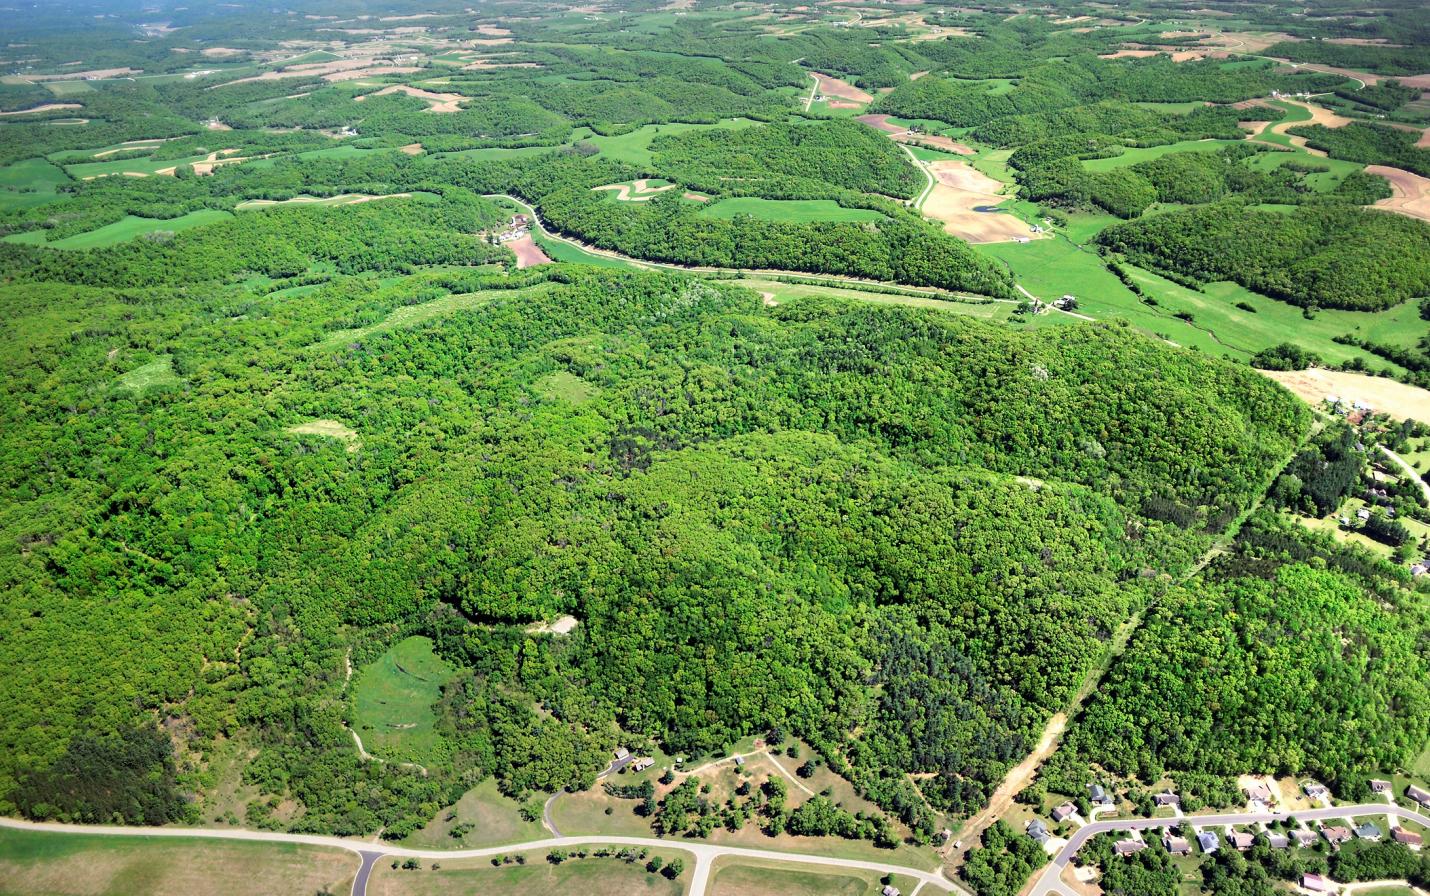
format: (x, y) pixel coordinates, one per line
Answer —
(793, 210)
(566, 386)
(634, 147)
(29, 183)
(393, 698)
(538, 877)
(123, 230)
(1133, 155)
(85, 865)
(558, 250)
(753, 877)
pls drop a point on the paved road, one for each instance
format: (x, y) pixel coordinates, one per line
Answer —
(1049, 885)
(611, 769)
(705, 853)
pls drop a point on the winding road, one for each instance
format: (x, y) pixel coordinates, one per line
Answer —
(705, 853)
(1049, 884)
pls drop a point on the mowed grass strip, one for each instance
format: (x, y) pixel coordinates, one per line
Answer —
(393, 698)
(538, 877)
(79, 865)
(796, 211)
(751, 877)
(123, 230)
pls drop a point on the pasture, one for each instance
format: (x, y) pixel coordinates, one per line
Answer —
(537, 877)
(789, 210)
(79, 865)
(127, 228)
(393, 698)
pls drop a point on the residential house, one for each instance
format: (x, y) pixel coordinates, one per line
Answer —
(642, 763)
(739, 761)
(1177, 846)
(1418, 795)
(1369, 831)
(1277, 841)
(890, 890)
(1208, 841)
(1098, 796)
(1038, 830)
(1241, 840)
(622, 753)
(1258, 792)
(1379, 786)
(1312, 789)
(1409, 838)
(1317, 884)
(1304, 838)
(1065, 811)
(1336, 834)
(1128, 847)
(1167, 799)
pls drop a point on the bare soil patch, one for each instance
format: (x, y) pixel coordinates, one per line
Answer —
(1412, 192)
(436, 102)
(47, 107)
(221, 52)
(493, 31)
(958, 190)
(902, 135)
(412, 149)
(1319, 116)
(1383, 394)
(831, 86)
(528, 254)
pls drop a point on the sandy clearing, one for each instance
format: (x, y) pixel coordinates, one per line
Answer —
(493, 31)
(47, 107)
(1383, 394)
(831, 86)
(637, 191)
(528, 254)
(1318, 116)
(958, 189)
(412, 149)
(1412, 192)
(221, 52)
(562, 625)
(212, 161)
(436, 102)
(696, 197)
(341, 199)
(214, 124)
(490, 41)
(85, 76)
(354, 74)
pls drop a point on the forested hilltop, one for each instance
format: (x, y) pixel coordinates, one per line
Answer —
(407, 410)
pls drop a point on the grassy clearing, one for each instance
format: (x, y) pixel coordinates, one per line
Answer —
(328, 429)
(495, 820)
(155, 373)
(634, 147)
(127, 228)
(567, 386)
(412, 315)
(783, 292)
(788, 210)
(76, 865)
(538, 877)
(753, 877)
(393, 697)
(29, 183)
(557, 250)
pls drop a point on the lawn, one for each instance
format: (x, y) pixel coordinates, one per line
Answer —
(155, 373)
(123, 230)
(495, 820)
(393, 698)
(754, 877)
(78, 865)
(797, 211)
(478, 877)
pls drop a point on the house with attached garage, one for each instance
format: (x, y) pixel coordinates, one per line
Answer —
(1177, 846)
(1065, 811)
(1418, 795)
(1209, 842)
(1368, 831)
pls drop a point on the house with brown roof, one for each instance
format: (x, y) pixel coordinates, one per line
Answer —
(1336, 834)
(1317, 884)
(1066, 810)
(1241, 840)
(1409, 838)
(1177, 846)
(1128, 847)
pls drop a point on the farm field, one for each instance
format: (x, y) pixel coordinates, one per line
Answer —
(29, 183)
(70, 865)
(124, 230)
(393, 697)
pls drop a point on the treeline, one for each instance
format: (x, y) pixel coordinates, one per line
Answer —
(1373, 144)
(1384, 60)
(1332, 257)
